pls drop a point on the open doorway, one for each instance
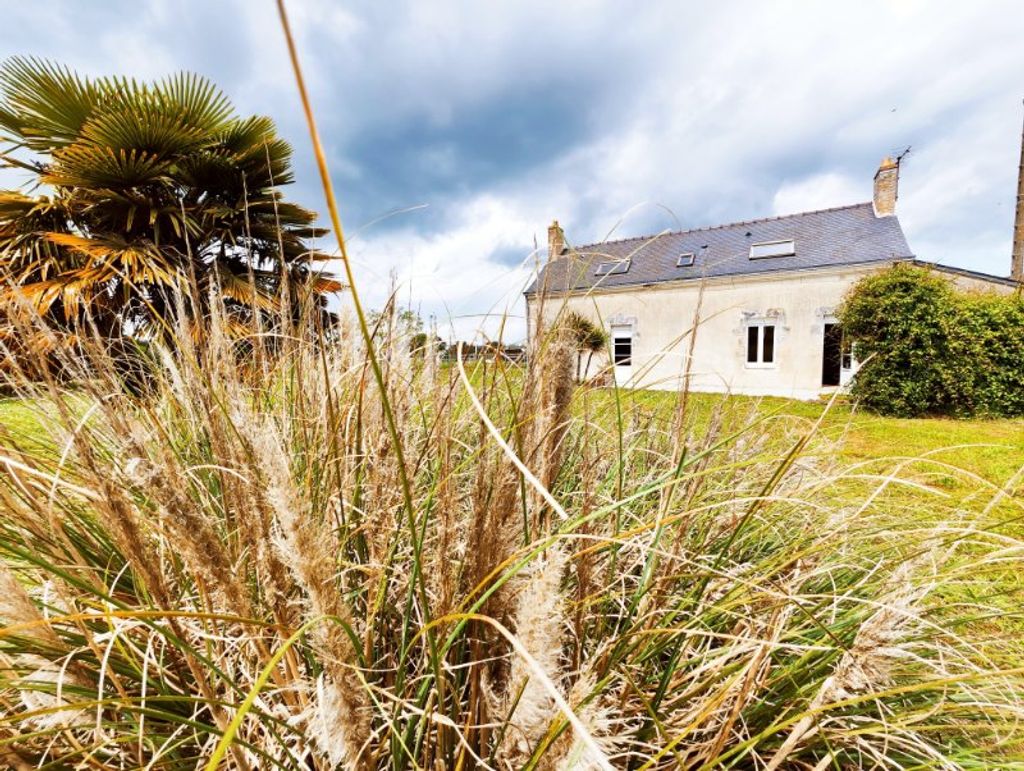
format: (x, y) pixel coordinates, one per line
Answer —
(832, 356)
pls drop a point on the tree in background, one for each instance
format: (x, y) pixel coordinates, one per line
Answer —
(587, 337)
(929, 349)
(139, 191)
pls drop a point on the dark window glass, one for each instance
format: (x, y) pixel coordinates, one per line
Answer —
(752, 345)
(623, 351)
(610, 268)
(768, 346)
(831, 355)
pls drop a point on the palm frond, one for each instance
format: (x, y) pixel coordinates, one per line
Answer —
(200, 102)
(248, 292)
(152, 182)
(46, 104)
(149, 127)
(87, 165)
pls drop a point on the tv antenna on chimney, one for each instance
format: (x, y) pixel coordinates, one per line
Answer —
(901, 156)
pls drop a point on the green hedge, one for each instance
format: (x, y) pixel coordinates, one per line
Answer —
(930, 349)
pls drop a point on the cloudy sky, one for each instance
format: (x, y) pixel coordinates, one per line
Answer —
(457, 130)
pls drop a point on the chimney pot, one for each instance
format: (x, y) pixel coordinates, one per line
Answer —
(887, 180)
(556, 241)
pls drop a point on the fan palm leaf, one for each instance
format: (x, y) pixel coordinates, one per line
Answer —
(25, 253)
(152, 183)
(248, 292)
(45, 104)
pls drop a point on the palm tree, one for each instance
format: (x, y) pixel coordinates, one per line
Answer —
(587, 337)
(139, 191)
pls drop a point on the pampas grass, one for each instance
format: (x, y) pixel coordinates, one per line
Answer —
(309, 550)
(720, 593)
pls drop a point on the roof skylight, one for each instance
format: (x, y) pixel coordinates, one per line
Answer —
(772, 249)
(685, 260)
(611, 268)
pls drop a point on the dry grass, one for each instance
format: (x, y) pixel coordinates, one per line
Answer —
(326, 554)
(704, 597)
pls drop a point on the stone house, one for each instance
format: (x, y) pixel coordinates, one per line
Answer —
(746, 308)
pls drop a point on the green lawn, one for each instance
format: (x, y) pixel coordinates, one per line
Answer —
(951, 473)
(993, 449)
(945, 470)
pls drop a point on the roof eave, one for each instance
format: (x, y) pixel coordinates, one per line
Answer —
(691, 279)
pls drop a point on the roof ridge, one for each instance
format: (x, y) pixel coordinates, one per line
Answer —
(720, 227)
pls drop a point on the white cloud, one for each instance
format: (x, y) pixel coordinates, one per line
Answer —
(819, 191)
(450, 275)
(676, 115)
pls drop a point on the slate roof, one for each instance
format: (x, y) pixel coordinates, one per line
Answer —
(1003, 280)
(847, 235)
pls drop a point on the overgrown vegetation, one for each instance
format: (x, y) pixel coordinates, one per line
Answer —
(694, 589)
(333, 558)
(930, 349)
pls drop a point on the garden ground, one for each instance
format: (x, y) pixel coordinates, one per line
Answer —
(991, 449)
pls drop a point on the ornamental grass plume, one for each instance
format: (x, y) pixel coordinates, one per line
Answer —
(309, 550)
(163, 547)
(595, 709)
(881, 641)
(291, 546)
(19, 612)
(540, 625)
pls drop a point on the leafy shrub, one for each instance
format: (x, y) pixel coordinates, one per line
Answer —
(997, 327)
(930, 349)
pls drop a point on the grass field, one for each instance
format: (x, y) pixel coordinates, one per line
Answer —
(734, 582)
(991, 449)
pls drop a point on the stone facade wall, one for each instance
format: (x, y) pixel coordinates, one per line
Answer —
(886, 184)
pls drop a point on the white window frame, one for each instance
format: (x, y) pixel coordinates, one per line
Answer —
(759, 325)
(686, 260)
(847, 358)
(790, 251)
(846, 374)
(623, 332)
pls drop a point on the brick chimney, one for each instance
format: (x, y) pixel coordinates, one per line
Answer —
(887, 180)
(556, 241)
(1017, 263)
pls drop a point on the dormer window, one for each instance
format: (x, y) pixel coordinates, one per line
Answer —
(685, 260)
(611, 268)
(772, 249)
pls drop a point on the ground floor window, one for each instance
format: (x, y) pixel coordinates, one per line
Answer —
(760, 345)
(622, 347)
